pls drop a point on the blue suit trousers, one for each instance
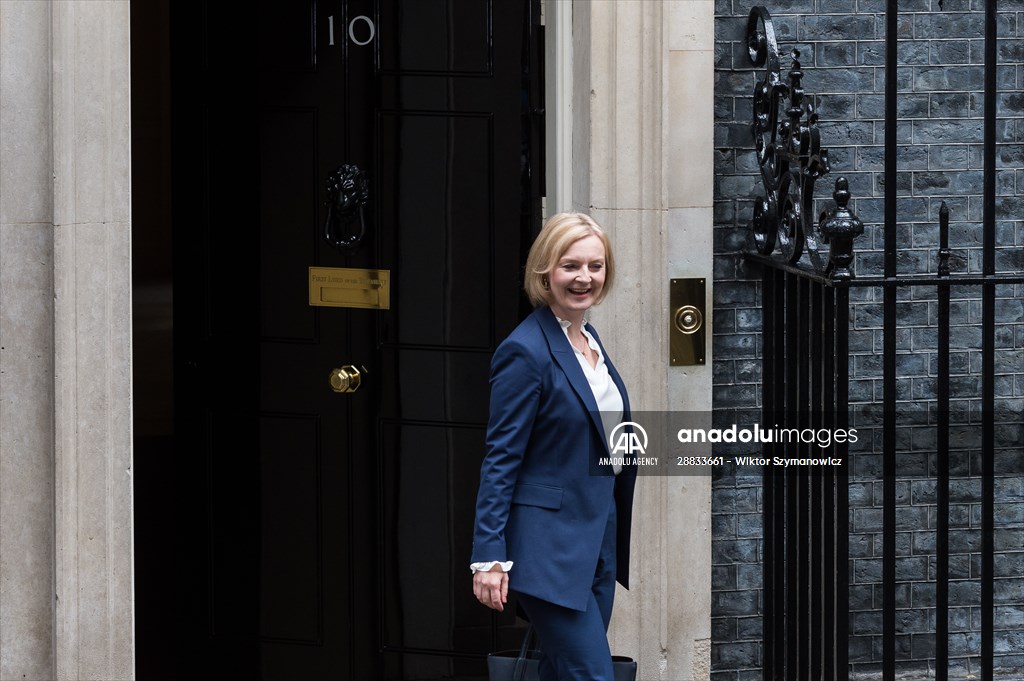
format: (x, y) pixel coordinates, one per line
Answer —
(574, 643)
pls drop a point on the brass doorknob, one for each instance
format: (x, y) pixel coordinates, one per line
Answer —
(347, 379)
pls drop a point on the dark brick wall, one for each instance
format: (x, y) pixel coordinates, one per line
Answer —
(940, 76)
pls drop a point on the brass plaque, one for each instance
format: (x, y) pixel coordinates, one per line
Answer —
(687, 326)
(350, 287)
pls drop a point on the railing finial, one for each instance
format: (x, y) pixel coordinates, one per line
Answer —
(838, 227)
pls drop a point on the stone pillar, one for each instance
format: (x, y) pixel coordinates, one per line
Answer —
(643, 166)
(66, 605)
(26, 344)
(94, 618)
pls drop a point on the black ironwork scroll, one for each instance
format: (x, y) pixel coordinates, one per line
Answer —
(791, 159)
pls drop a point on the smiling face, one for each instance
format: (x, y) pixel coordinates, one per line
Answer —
(577, 279)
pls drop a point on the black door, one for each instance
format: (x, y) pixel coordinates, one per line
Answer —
(327, 535)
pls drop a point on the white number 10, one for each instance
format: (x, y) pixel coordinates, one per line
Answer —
(352, 29)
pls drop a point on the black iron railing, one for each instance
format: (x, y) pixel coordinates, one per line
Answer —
(805, 380)
(805, 298)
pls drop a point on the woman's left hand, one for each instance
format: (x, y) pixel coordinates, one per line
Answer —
(491, 588)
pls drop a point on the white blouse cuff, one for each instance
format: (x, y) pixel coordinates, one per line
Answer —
(506, 565)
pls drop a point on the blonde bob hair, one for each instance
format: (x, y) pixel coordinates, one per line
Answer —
(560, 232)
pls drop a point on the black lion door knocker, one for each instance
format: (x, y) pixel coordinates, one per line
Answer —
(347, 192)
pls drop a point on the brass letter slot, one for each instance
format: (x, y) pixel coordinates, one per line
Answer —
(350, 287)
(687, 322)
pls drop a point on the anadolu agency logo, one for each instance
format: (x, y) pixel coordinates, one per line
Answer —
(624, 442)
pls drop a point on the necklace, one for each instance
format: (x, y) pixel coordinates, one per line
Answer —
(583, 347)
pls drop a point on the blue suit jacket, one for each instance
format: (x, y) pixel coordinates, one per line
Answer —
(539, 503)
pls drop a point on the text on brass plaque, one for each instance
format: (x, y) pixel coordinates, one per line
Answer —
(350, 287)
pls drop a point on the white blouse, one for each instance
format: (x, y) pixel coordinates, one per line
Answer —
(606, 393)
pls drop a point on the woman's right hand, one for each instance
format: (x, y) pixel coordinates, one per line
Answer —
(491, 588)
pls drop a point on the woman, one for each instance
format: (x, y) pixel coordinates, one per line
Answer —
(547, 526)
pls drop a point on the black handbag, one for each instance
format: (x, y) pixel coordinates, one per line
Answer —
(522, 664)
(515, 665)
